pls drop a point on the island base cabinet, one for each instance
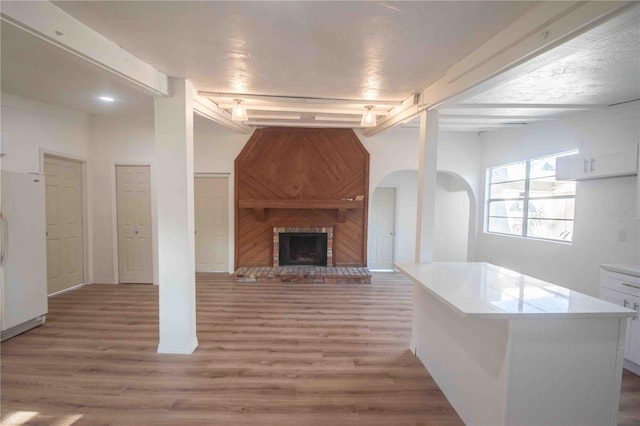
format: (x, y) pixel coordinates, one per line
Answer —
(521, 371)
(624, 290)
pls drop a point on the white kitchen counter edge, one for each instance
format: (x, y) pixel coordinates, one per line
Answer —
(633, 270)
(616, 311)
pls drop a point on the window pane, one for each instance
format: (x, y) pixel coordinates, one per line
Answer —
(509, 225)
(515, 171)
(550, 203)
(550, 187)
(506, 208)
(507, 190)
(543, 167)
(551, 229)
(554, 208)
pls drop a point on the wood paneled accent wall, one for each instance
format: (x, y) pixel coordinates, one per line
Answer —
(298, 177)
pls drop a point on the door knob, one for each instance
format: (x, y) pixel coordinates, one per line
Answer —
(136, 232)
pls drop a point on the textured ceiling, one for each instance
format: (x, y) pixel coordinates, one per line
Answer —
(605, 72)
(356, 50)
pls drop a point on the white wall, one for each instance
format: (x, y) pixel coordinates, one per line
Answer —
(451, 234)
(398, 149)
(33, 128)
(216, 147)
(605, 208)
(393, 150)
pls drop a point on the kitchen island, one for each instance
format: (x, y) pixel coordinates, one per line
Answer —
(509, 349)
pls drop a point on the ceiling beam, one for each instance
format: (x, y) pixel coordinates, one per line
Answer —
(274, 116)
(207, 109)
(455, 118)
(544, 27)
(267, 123)
(353, 118)
(49, 23)
(300, 99)
(530, 106)
(300, 108)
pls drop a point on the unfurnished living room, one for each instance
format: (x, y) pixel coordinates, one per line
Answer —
(320, 213)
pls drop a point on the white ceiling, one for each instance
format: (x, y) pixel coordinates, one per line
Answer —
(38, 70)
(372, 52)
(352, 50)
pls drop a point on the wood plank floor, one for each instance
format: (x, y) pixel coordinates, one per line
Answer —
(268, 354)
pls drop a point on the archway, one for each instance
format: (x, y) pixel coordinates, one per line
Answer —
(456, 217)
(453, 217)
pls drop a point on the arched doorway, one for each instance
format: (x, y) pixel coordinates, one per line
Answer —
(455, 217)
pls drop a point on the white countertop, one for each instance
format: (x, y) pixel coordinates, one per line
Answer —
(489, 291)
(622, 269)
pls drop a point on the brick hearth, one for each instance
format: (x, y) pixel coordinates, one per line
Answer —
(303, 274)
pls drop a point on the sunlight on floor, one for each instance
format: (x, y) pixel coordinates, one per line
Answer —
(19, 418)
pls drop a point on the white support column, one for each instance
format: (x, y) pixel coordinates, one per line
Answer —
(175, 220)
(427, 170)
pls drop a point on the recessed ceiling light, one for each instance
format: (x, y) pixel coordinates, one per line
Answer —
(106, 99)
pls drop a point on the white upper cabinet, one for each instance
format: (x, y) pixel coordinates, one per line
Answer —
(617, 160)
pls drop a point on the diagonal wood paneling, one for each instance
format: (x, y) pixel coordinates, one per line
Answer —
(306, 164)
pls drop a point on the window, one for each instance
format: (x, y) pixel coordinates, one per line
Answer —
(526, 200)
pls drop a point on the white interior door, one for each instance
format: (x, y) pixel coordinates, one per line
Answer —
(382, 210)
(212, 223)
(65, 240)
(135, 259)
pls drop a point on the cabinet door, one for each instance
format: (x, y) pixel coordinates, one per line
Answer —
(618, 161)
(572, 167)
(632, 349)
(626, 301)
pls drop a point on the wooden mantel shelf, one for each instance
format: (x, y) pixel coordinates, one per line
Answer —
(342, 206)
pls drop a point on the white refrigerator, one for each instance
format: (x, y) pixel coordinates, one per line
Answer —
(23, 256)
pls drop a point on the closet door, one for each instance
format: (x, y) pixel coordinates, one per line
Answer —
(212, 223)
(135, 259)
(65, 239)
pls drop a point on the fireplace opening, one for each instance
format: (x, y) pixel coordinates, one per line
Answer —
(303, 248)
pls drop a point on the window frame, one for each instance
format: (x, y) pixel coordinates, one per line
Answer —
(525, 199)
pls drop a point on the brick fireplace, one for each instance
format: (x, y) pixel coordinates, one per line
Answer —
(296, 245)
(312, 263)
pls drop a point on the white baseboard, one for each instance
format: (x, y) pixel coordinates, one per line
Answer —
(75, 287)
(632, 366)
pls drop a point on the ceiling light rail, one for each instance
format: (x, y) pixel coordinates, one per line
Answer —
(532, 106)
(325, 124)
(300, 99)
(323, 109)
